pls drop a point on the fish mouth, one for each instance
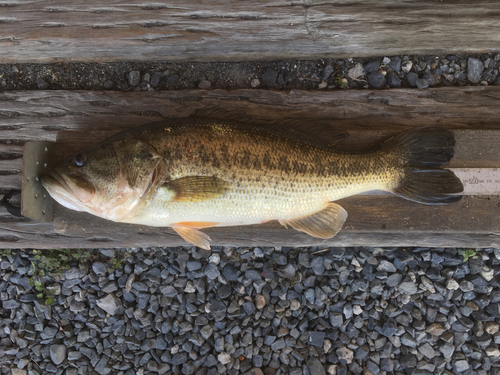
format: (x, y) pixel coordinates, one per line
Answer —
(71, 191)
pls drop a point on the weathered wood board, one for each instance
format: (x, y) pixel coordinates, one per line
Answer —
(222, 30)
(78, 119)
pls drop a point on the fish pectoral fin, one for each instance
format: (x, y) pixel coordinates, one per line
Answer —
(194, 237)
(322, 224)
(197, 188)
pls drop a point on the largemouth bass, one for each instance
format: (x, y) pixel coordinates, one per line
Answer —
(196, 172)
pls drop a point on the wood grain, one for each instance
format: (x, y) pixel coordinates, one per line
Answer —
(395, 110)
(222, 30)
(79, 119)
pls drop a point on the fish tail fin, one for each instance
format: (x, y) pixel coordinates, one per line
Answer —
(421, 153)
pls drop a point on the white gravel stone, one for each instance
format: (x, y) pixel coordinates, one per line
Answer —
(356, 310)
(487, 274)
(110, 303)
(255, 83)
(492, 352)
(345, 354)
(224, 358)
(356, 71)
(215, 258)
(452, 284)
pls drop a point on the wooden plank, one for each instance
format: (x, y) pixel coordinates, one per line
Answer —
(187, 30)
(78, 119)
(394, 110)
(42, 236)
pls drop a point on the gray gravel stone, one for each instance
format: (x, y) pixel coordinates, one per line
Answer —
(230, 273)
(395, 64)
(393, 80)
(134, 78)
(475, 69)
(57, 353)
(218, 309)
(10, 304)
(461, 366)
(257, 360)
(386, 266)
(408, 287)
(316, 338)
(357, 71)
(74, 273)
(253, 275)
(372, 66)
(212, 271)
(42, 84)
(317, 265)
(422, 83)
(269, 79)
(172, 79)
(205, 84)
(48, 332)
(99, 268)
(376, 80)
(155, 79)
(111, 304)
(327, 72)
(427, 351)
(315, 367)
(394, 280)
(412, 79)
(249, 308)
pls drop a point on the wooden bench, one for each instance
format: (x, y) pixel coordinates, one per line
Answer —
(76, 120)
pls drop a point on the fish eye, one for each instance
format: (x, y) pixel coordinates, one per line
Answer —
(80, 159)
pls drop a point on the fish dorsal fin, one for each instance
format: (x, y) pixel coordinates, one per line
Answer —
(314, 131)
(194, 236)
(322, 224)
(197, 188)
(138, 162)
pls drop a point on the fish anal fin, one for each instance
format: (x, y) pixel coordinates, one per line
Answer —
(194, 237)
(195, 224)
(197, 188)
(322, 224)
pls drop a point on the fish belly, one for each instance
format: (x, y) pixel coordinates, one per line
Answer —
(253, 203)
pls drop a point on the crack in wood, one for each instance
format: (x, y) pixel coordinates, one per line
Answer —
(10, 172)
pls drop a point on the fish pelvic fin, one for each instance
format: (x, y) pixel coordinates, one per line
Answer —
(197, 188)
(322, 224)
(422, 152)
(194, 236)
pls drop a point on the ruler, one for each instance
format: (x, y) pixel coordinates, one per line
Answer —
(479, 181)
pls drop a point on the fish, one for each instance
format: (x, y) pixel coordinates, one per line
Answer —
(200, 172)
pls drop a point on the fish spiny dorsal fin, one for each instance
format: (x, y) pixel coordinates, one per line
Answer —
(197, 188)
(318, 132)
(322, 224)
(194, 237)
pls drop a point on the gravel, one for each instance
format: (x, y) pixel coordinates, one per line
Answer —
(256, 311)
(327, 74)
